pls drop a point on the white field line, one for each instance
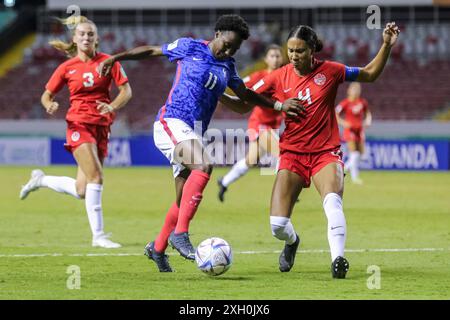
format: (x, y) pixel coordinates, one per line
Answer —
(112, 254)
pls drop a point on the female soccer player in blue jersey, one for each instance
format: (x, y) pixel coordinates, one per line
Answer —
(205, 69)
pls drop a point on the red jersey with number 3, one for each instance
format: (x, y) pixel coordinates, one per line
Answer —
(261, 115)
(353, 111)
(317, 130)
(86, 87)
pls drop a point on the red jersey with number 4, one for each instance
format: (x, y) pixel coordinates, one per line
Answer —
(86, 87)
(261, 115)
(353, 112)
(317, 130)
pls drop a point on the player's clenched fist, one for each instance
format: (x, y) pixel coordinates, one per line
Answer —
(52, 108)
(390, 33)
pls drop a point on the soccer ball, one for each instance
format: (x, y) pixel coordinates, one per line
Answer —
(214, 256)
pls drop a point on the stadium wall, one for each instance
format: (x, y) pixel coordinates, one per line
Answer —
(141, 151)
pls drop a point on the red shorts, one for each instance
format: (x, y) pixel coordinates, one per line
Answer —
(78, 133)
(254, 127)
(307, 165)
(356, 135)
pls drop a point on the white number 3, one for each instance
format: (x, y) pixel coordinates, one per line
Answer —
(89, 77)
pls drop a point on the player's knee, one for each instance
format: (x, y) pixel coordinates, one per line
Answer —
(81, 191)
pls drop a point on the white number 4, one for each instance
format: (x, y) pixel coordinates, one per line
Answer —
(89, 77)
(306, 97)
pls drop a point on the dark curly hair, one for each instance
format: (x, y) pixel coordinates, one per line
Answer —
(307, 34)
(233, 22)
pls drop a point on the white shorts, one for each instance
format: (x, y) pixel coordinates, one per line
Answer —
(167, 134)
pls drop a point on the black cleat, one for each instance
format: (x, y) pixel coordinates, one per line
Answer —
(161, 259)
(222, 190)
(339, 268)
(181, 243)
(287, 256)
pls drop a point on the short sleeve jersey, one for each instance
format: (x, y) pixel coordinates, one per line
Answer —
(353, 111)
(86, 87)
(318, 130)
(261, 115)
(199, 82)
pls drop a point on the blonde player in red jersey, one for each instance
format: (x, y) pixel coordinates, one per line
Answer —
(262, 124)
(310, 144)
(353, 115)
(89, 119)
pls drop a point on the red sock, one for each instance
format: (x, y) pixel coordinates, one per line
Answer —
(169, 224)
(192, 195)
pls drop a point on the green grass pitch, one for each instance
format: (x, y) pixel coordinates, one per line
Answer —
(48, 232)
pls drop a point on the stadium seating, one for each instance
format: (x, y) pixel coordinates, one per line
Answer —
(400, 93)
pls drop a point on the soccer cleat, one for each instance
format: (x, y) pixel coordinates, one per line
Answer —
(161, 259)
(33, 184)
(181, 243)
(222, 190)
(287, 256)
(102, 241)
(357, 181)
(339, 268)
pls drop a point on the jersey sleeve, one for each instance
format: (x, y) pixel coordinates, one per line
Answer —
(234, 81)
(252, 79)
(340, 108)
(267, 86)
(118, 74)
(57, 80)
(366, 105)
(177, 49)
(338, 71)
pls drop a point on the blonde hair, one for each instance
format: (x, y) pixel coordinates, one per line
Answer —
(70, 48)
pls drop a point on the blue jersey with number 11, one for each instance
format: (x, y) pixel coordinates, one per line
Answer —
(199, 81)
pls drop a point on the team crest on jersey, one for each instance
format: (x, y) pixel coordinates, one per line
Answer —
(75, 136)
(320, 79)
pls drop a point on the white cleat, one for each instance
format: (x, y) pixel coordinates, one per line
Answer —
(33, 184)
(103, 241)
(357, 181)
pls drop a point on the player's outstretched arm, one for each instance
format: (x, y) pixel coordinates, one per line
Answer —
(235, 104)
(373, 70)
(137, 53)
(292, 107)
(47, 101)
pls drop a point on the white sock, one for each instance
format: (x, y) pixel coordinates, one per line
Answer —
(93, 200)
(337, 227)
(354, 167)
(238, 170)
(283, 229)
(60, 184)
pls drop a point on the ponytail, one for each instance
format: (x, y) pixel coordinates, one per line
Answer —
(70, 48)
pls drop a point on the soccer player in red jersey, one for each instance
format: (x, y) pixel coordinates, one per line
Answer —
(262, 124)
(310, 144)
(89, 120)
(205, 69)
(354, 115)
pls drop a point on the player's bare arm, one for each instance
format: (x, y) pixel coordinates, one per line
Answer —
(137, 53)
(372, 71)
(120, 101)
(47, 101)
(235, 104)
(341, 121)
(367, 119)
(292, 107)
